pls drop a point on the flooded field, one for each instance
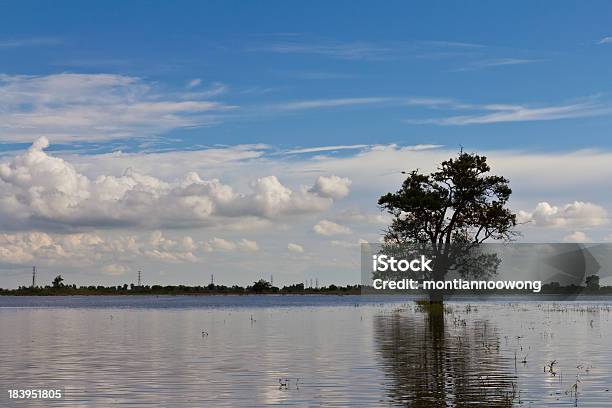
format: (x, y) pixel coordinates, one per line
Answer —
(305, 351)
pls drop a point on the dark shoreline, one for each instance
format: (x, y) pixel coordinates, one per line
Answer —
(263, 287)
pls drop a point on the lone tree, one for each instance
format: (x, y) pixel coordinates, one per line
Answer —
(57, 282)
(451, 212)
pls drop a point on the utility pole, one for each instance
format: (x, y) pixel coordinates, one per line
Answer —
(34, 276)
(139, 281)
(271, 280)
(317, 283)
(212, 279)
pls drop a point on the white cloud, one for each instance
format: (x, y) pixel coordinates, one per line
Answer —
(92, 248)
(115, 270)
(331, 103)
(71, 107)
(325, 149)
(518, 113)
(605, 40)
(37, 189)
(116, 237)
(559, 177)
(478, 113)
(328, 228)
(499, 62)
(220, 244)
(577, 236)
(248, 245)
(334, 49)
(357, 216)
(29, 42)
(359, 50)
(333, 187)
(309, 104)
(348, 244)
(194, 82)
(295, 248)
(577, 214)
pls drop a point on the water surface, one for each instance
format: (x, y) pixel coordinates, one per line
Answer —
(327, 351)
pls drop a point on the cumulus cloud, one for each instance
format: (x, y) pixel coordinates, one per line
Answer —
(578, 214)
(554, 176)
(352, 215)
(333, 187)
(38, 189)
(115, 270)
(27, 247)
(92, 248)
(577, 236)
(71, 107)
(220, 244)
(328, 228)
(295, 248)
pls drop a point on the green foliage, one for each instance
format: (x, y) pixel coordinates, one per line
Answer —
(460, 202)
(447, 214)
(592, 282)
(261, 285)
(57, 282)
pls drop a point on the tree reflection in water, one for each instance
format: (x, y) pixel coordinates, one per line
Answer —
(437, 359)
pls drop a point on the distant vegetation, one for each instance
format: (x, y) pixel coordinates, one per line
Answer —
(59, 288)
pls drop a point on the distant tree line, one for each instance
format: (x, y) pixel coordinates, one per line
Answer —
(59, 288)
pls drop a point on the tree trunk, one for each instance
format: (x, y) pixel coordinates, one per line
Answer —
(440, 270)
(436, 297)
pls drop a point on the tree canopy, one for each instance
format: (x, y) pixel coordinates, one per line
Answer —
(458, 202)
(453, 209)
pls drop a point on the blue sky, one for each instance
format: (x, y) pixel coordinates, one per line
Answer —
(258, 136)
(534, 55)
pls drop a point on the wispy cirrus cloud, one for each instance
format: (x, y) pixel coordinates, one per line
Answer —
(499, 113)
(497, 62)
(29, 42)
(315, 75)
(483, 113)
(330, 103)
(605, 40)
(366, 50)
(453, 44)
(325, 149)
(308, 104)
(73, 107)
(478, 113)
(334, 49)
(471, 56)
